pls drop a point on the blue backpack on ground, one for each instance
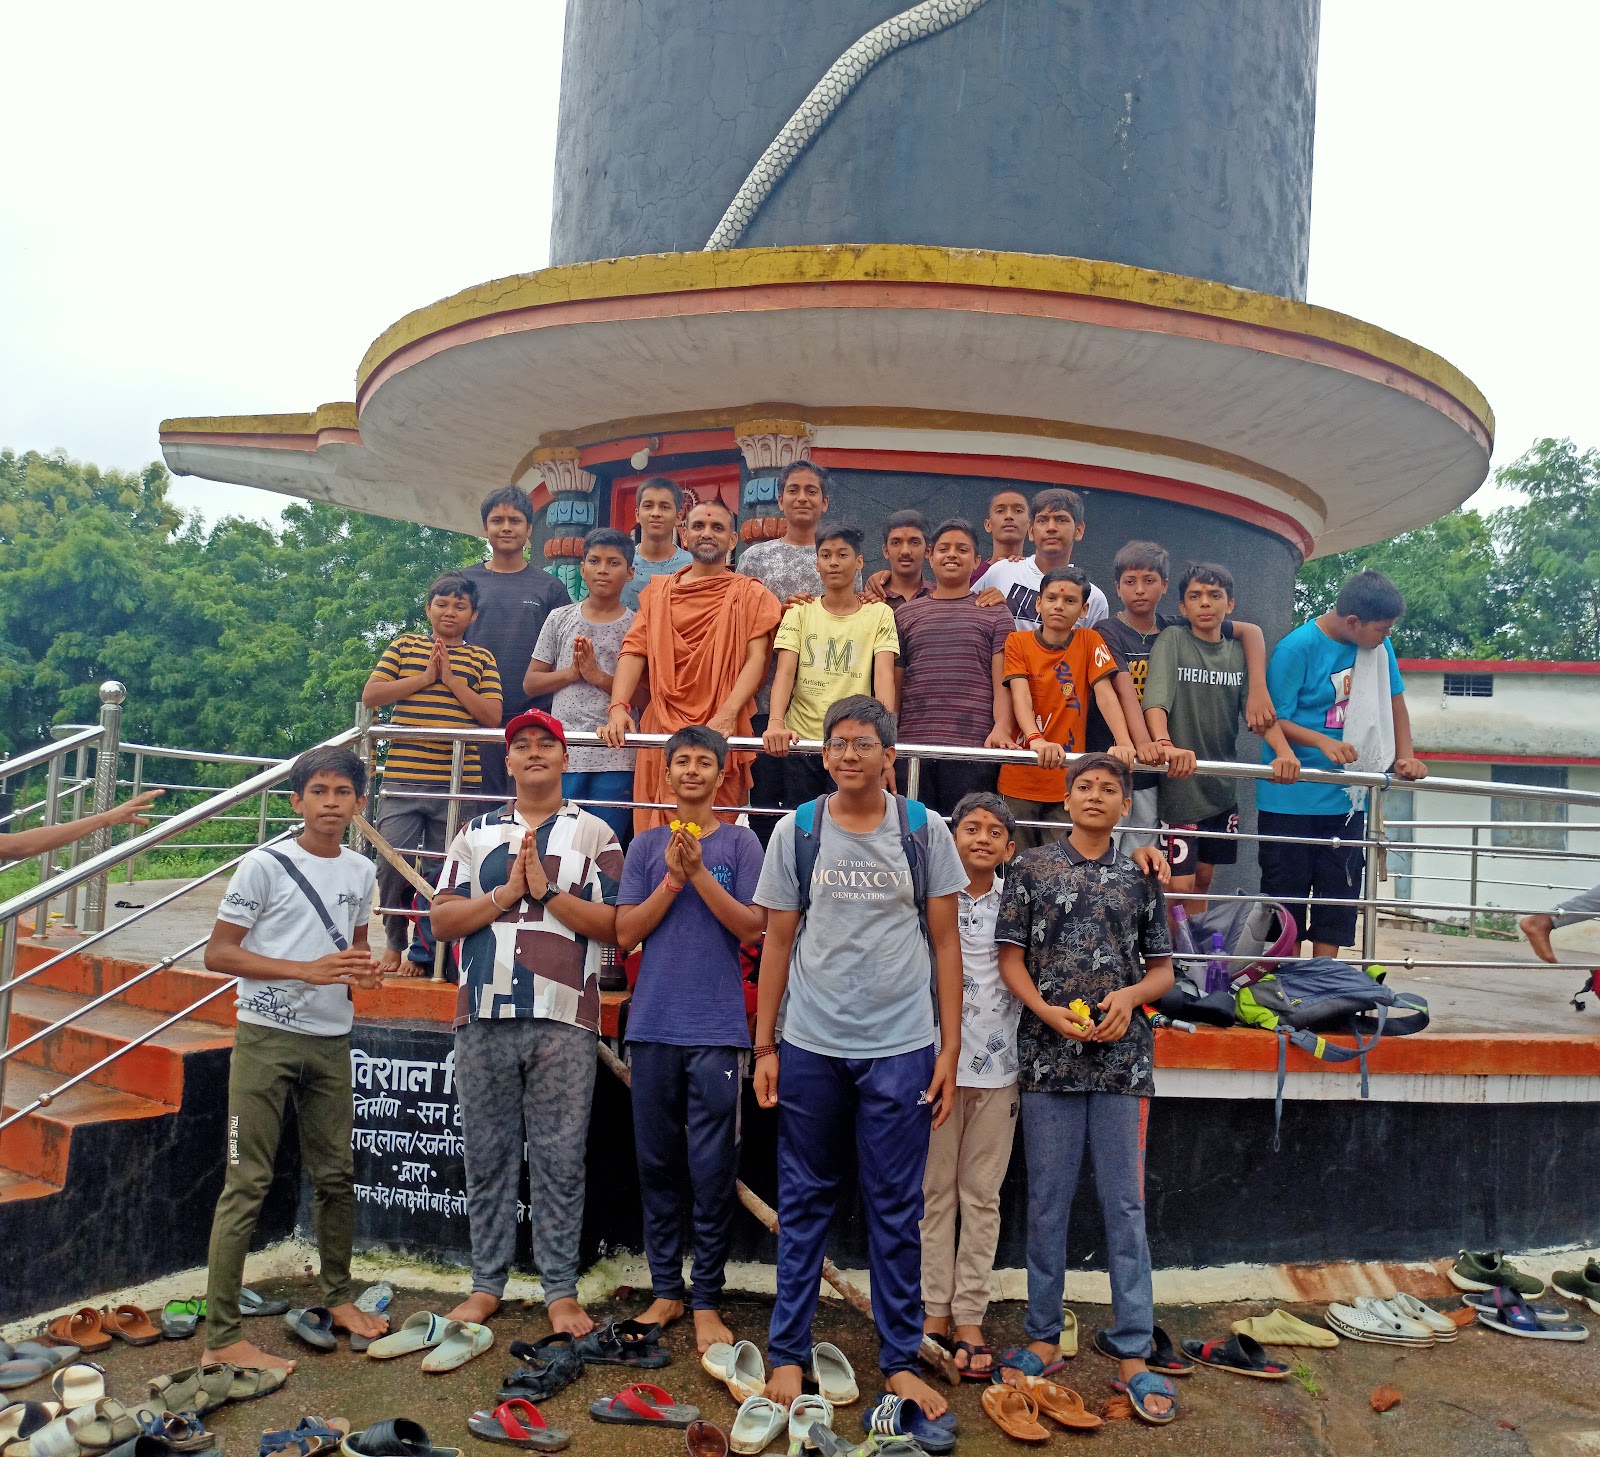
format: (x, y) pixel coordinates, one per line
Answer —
(1302, 1001)
(913, 841)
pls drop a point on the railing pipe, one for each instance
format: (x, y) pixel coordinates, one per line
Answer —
(75, 849)
(1375, 871)
(112, 694)
(46, 753)
(138, 789)
(452, 817)
(8, 968)
(52, 816)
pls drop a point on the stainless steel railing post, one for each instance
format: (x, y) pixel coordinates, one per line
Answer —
(8, 969)
(363, 747)
(52, 816)
(452, 817)
(138, 789)
(1369, 912)
(106, 756)
(80, 774)
(1472, 886)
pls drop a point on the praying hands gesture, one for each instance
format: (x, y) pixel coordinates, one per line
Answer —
(440, 668)
(684, 857)
(526, 877)
(588, 667)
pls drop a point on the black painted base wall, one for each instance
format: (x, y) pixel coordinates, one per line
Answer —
(1354, 1181)
(137, 1204)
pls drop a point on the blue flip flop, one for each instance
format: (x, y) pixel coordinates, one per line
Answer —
(1140, 1388)
(896, 1417)
(1020, 1358)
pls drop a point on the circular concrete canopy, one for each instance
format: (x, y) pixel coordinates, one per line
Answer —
(1328, 429)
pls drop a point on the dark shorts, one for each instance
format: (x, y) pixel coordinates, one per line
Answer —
(1189, 845)
(1302, 876)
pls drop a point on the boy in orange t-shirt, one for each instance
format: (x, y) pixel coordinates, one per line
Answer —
(1051, 672)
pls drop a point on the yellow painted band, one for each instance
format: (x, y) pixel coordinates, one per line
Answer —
(340, 415)
(668, 273)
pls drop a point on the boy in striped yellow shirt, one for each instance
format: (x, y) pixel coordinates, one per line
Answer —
(433, 681)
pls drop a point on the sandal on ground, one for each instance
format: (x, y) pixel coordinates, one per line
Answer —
(624, 1343)
(308, 1437)
(175, 1430)
(758, 1424)
(180, 1318)
(131, 1324)
(420, 1332)
(897, 1417)
(1059, 1403)
(252, 1304)
(705, 1439)
(548, 1365)
(1478, 1300)
(464, 1340)
(1282, 1329)
(1140, 1388)
(374, 1300)
(195, 1389)
(22, 1419)
(1014, 1412)
(108, 1423)
(1069, 1334)
(1241, 1355)
(32, 1361)
(517, 1423)
(81, 1329)
(1020, 1358)
(56, 1438)
(1160, 1358)
(398, 1437)
(80, 1384)
(806, 1412)
(249, 1382)
(314, 1326)
(738, 1367)
(969, 1372)
(834, 1375)
(643, 1405)
(1513, 1316)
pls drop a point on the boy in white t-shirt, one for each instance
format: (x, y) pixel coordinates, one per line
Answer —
(968, 1154)
(293, 928)
(1056, 527)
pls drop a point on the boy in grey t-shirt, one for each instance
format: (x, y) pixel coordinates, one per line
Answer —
(293, 928)
(851, 974)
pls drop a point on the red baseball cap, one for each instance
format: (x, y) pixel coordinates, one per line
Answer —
(536, 718)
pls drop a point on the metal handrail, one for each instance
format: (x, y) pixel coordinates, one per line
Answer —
(197, 756)
(35, 758)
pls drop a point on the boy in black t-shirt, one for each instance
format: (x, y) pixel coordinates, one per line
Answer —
(1142, 570)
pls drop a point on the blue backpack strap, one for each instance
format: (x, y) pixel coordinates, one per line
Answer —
(914, 842)
(807, 844)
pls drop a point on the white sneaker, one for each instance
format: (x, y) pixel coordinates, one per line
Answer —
(1408, 1307)
(1370, 1320)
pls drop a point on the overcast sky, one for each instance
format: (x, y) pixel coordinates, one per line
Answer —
(211, 209)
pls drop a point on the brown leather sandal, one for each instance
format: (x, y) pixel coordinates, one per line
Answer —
(81, 1329)
(131, 1324)
(1014, 1412)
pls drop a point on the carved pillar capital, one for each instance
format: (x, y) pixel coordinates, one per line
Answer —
(556, 466)
(770, 445)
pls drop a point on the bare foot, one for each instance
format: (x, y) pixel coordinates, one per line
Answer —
(568, 1316)
(477, 1307)
(350, 1317)
(911, 1387)
(1157, 1406)
(972, 1335)
(389, 962)
(246, 1353)
(783, 1385)
(709, 1329)
(662, 1313)
(1537, 929)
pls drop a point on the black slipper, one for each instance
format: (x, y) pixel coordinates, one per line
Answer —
(548, 1365)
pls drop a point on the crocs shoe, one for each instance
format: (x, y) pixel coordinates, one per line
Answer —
(1581, 1284)
(1371, 1320)
(1408, 1307)
(1485, 1269)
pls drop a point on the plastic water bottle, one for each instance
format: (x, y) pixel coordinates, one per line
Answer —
(1182, 936)
(1217, 969)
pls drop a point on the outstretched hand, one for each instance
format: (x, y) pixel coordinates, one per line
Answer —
(128, 812)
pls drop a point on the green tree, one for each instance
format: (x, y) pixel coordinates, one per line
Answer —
(1550, 549)
(1449, 573)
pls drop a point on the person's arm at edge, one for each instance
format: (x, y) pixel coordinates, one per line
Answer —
(1286, 765)
(1014, 973)
(226, 955)
(741, 920)
(944, 939)
(383, 689)
(779, 736)
(1004, 733)
(1146, 748)
(542, 678)
(484, 708)
(1406, 763)
(1105, 694)
(782, 927)
(1259, 712)
(885, 679)
(45, 838)
(744, 686)
(1122, 1006)
(625, 682)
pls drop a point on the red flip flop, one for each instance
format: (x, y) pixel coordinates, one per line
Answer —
(517, 1423)
(643, 1405)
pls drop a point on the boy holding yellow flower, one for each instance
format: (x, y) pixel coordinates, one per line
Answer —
(686, 898)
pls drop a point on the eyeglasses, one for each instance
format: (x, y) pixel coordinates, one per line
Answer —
(863, 745)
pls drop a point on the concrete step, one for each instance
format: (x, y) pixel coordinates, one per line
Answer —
(167, 991)
(35, 1149)
(152, 1070)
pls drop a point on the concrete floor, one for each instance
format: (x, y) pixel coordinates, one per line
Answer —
(1462, 999)
(1487, 1395)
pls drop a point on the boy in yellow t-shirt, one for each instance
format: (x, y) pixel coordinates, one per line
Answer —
(1052, 671)
(829, 648)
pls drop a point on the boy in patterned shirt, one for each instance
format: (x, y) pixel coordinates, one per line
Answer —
(530, 892)
(968, 1154)
(432, 681)
(1084, 944)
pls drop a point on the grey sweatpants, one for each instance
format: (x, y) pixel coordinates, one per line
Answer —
(532, 1079)
(409, 822)
(1581, 907)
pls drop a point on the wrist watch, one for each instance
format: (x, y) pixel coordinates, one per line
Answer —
(551, 891)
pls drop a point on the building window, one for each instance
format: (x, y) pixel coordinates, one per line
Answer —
(1529, 814)
(1469, 685)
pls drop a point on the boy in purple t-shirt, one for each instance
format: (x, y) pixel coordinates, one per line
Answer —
(687, 898)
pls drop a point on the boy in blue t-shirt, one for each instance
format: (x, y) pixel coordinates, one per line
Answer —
(1309, 678)
(686, 897)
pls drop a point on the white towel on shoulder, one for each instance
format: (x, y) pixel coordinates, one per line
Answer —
(1369, 717)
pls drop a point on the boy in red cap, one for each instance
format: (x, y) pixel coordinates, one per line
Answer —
(530, 892)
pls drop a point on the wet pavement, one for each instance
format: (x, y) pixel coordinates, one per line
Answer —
(1485, 1395)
